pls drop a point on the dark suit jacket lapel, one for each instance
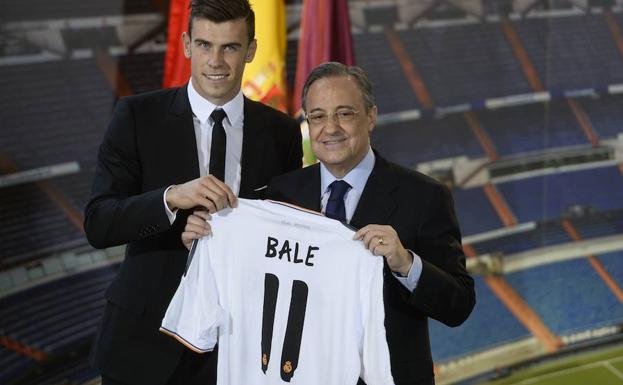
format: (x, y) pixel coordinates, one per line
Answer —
(307, 189)
(252, 149)
(179, 129)
(371, 208)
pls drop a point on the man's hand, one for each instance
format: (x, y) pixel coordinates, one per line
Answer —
(383, 240)
(196, 227)
(207, 191)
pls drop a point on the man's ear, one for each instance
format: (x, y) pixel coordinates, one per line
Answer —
(186, 43)
(251, 51)
(372, 114)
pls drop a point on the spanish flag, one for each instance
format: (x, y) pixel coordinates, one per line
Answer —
(264, 78)
(176, 66)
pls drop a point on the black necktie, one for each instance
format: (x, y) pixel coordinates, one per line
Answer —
(219, 144)
(335, 206)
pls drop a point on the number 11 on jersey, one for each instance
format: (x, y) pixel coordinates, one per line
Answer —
(294, 328)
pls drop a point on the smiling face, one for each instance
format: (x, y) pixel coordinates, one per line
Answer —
(218, 53)
(339, 145)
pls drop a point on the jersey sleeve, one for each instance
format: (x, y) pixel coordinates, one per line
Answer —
(376, 368)
(194, 314)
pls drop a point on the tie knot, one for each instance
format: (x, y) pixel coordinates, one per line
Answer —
(218, 115)
(338, 189)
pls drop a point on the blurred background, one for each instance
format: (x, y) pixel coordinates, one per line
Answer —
(517, 105)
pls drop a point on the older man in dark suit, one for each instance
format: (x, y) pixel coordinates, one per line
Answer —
(404, 216)
(166, 152)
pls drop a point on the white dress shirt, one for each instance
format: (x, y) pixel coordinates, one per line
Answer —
(233, 123)
(357, 178)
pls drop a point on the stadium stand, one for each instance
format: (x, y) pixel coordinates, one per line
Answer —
(144, 72)
(15, 10)
(58, 314)
(550, 232)
(594, 224)
(605, 114)
(544, 234)
(409, 143)
(391, 89)
(55, 318)
(12, 363)
(533, 127)
(31, 225)
(475, 213)
(489, 325)
(78, 103)
(547, 197)
(569, 296)
(613, 262)
(465, 62)
(573, 52)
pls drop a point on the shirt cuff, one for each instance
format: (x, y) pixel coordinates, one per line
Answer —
(411, 280)
(170, 214)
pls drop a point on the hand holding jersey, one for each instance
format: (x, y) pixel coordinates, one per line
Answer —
(207, 191)
(383, 240)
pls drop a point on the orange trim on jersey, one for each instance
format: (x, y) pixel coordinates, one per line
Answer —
(184, 342)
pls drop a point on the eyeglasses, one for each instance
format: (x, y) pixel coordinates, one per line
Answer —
(342, 116)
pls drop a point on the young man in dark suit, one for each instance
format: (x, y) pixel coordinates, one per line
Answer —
(404, 216)
(166, 152)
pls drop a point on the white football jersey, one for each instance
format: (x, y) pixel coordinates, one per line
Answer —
(287, 295)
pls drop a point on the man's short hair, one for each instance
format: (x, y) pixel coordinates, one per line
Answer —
(219, 11)
(334, 69)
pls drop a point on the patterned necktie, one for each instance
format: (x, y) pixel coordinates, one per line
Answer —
(219, 144)
(335, 206)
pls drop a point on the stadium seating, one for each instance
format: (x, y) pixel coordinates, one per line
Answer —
(489, 325)
(409, 143)
(144, 72)
(31, 225)
(15, 10)
(569, 296)
(613, 263)
(598, 223)
(60, 116)
(57, 315)
(465, 63)
(533, 127)
(475, 213)
(55, 318)
(549, 197)
(573, 52)
(390, 86)
(550, 232)
(12, 363)
(605, 114)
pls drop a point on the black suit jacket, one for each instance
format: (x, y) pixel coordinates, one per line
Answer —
(421, 211)
(149, 145)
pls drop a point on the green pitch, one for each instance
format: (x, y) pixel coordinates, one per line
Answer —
(597, 368)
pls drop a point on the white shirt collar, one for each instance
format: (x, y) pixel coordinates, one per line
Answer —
(202, 107)
(357, 177)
